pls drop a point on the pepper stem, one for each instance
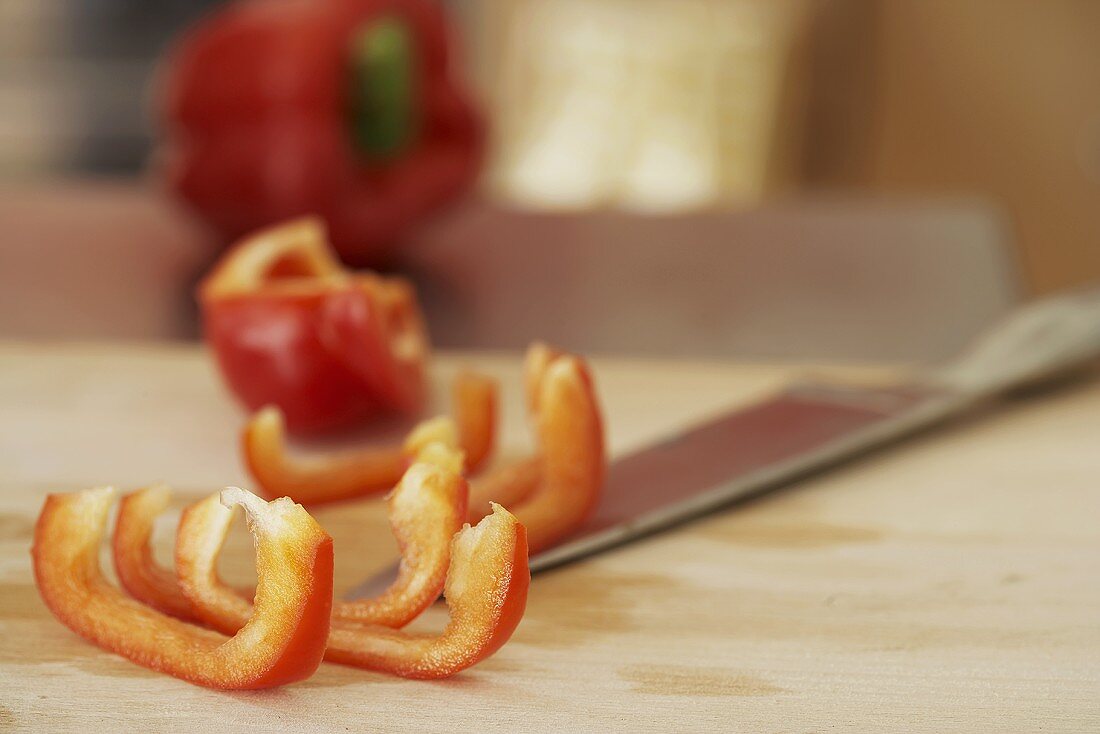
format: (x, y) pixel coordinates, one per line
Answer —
(383, 79)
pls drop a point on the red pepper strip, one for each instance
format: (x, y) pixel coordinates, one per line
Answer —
(138, 572)
(513, 483)
(474, 405)
(283, 641)
(426, 509)
(486, 590)
(317, 479)
(570, 433)
(344, 475)
(486, 594)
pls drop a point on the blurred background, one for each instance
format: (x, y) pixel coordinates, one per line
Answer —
(823, 179)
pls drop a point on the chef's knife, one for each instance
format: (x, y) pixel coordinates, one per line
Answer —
(815, 425)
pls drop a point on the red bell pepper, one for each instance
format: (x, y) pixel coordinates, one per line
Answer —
(282, 641)
(348, 109)
(291, 328)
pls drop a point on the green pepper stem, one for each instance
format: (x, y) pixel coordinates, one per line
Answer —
(382, 94)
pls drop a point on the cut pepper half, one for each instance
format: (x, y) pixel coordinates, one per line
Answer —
(486, 590)
(290, 327)
(336, 476)
(282, 642)
(138, 572)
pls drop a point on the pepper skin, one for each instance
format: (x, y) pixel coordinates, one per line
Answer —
(138, 572)
(344, 475)
(347, 109)
(289, 327)
(486, 590)
(283, 642)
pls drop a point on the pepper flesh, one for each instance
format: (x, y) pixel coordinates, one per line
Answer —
(486, 589)
(137, 569)
(282, 642)
(344, 475)
(290, 327)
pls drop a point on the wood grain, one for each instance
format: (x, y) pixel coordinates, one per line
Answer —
(947, 585)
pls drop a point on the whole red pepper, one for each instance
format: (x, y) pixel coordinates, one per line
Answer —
(346, 109)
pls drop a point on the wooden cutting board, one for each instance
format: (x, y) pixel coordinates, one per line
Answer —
(950, 584)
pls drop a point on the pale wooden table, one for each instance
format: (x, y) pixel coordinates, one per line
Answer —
(952, 584)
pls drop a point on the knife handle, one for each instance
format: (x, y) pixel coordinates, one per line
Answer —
(1037, 341)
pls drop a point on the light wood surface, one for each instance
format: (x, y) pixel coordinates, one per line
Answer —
(952, 584)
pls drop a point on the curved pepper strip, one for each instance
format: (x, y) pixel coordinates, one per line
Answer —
(573, 460)
(283, 641)
(426, 509)
(344, 475)
(553, 493)
(486, 589)
(138, 572)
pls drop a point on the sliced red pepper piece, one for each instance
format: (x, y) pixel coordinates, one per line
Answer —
(486, 590)
(314, 480)
(570, 432)
(554, 492)
(290, 327)
(426, 509)
(486, 595)
(283, 641)
(138, 572)
(345, 475)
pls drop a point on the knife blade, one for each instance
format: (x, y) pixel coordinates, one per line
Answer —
(812, 426)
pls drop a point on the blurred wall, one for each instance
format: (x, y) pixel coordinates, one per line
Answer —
(1000, 97)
